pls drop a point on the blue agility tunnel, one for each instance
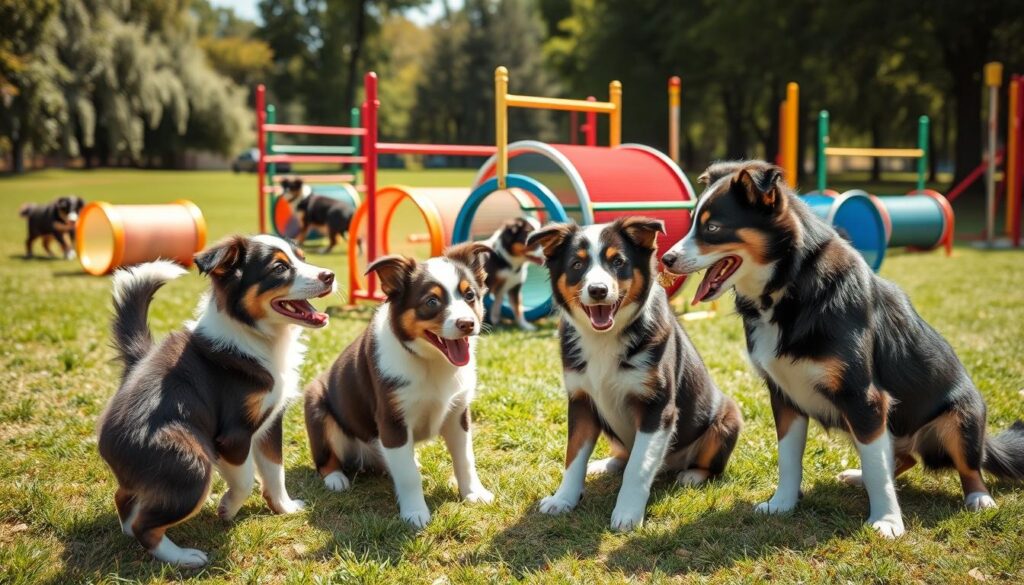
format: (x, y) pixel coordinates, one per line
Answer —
(857, 219)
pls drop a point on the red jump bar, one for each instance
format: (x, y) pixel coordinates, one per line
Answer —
(314, 158)
(438, 149)
(303, 129)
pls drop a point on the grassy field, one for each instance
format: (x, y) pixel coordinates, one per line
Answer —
(57, 520)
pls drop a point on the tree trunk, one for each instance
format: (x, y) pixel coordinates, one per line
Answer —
(18, 155)
(357, 53)
(735, 135)
(876, 142)
(967, 100)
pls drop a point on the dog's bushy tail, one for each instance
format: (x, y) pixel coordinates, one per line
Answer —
(133, 291)
(26, 209)
(1004, 453)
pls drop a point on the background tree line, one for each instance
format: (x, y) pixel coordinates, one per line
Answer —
(140, 81)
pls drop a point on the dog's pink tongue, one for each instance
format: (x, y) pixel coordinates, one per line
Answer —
(457, 351)
(601, 316)
(704, 290)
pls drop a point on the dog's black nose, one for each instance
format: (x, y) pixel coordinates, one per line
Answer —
(465, 325)
(326, 277)
(598, 292)
(669, 258)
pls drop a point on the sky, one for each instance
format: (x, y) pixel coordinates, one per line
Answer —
(427, 14)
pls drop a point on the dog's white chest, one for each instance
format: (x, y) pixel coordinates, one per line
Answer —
(797, 378)
(607, 384)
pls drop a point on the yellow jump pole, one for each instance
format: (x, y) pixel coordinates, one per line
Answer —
(791, 128)
(993, 79)
(674, 86)
(615, 116)
(501, 123)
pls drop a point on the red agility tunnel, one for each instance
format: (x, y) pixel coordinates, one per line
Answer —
(599, 184)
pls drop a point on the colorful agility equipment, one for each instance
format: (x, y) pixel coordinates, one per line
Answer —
(329, 183)
(110, 236)
(857, 219)
(587, 184)
(920, 220)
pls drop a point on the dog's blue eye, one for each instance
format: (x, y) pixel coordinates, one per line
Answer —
(280, 267)
(470, 295)
(433, 302)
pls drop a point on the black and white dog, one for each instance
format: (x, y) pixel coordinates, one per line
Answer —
(409, 377)
(211, 395)
(630, 370)
(506, 268)
(320, 212)
(836, 343)
(52, 221)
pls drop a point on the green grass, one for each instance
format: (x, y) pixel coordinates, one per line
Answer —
(57, 520)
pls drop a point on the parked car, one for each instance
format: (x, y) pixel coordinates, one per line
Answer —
(246, 162)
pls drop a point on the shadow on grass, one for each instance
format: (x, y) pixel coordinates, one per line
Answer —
(96, 547)
(715, 539)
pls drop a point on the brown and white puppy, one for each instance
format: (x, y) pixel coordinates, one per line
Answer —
(630, 370)
(211, 395)
(408, 377)
(51, 222)
(836, 343)
(507, 266)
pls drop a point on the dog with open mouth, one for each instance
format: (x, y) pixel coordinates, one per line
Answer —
(836, 343)
(507, 266)
(630, 370)
(211, 396)
(409, 377)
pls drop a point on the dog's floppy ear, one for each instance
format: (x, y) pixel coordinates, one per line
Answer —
(222, 257)
(550, 237)
(474, 255)
(762, 185)
(642, 231)
(393, 272)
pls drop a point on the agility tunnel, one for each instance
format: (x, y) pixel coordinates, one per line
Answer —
(584, 184)
(856, 218)
(110, 236)
(920, 220)
(420, 222)
(285, 221)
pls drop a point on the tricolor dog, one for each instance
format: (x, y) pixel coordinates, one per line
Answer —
(506, 268)
(836, 343)
(211, 396)
(320, 212)
(409, 377)
(52, 221)
(630, 370)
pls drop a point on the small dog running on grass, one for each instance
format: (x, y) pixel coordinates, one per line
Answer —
(630, 370)
(212, 395)
(408, 377)
(836, 343)
(506, 268)
(52, 221)
(320, 212)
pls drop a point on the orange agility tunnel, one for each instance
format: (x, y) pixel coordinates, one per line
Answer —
(419, 221)
(110, 236)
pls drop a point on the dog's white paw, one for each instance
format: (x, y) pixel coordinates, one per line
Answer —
(556, 504)
(625, 518)
(851, 477)
(229, 505)
(606, 465)
(692, 477)
(417, 517)
(479, 495)
(888, 527)
(69, 255)
(978, 501)
(527, 326)
(336, 481)
(289, 506)
(186, 558)
(776, 505)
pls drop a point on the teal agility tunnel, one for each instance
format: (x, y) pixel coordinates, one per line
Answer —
(857, 219)
(536, 292)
